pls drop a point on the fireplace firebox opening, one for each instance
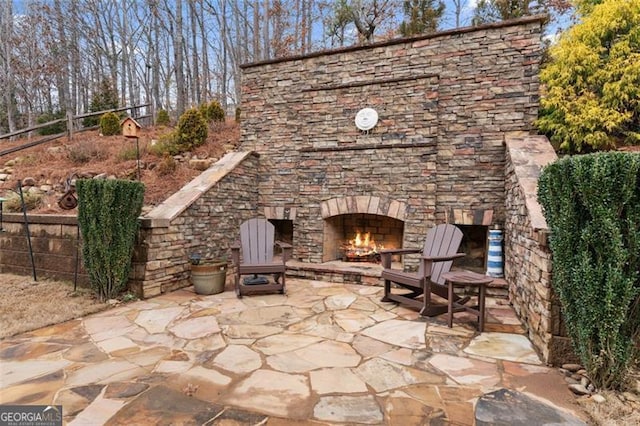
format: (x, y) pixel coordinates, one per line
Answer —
(474, 244)
(283, 232)
(359, 237)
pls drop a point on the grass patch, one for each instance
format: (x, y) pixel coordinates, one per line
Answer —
(26, 305)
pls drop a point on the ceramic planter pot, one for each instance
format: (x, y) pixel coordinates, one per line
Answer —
(209, 278)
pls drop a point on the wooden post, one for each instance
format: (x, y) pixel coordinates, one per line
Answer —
(69, 125)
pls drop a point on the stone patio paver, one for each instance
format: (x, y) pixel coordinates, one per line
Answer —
(325, 353)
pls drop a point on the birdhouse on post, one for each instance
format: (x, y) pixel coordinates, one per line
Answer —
(130, 127)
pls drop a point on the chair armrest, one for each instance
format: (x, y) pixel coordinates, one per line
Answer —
(400, 251)
(385, 255)
(286, 250)
(444, 258)
(235, 253)
(283, 245)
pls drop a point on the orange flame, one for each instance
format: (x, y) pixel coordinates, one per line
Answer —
(362, 245)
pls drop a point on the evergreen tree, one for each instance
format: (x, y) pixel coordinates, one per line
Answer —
(421, 16)
(104, 97)
(502, 10)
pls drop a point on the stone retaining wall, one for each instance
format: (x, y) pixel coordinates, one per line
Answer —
(203, 217)
(54, 240)
(527, 255)
(444, 102)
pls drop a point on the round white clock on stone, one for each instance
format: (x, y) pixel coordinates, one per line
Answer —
(366, 119)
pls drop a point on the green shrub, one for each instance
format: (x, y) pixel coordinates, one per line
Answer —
(592, 207)
(191, 131)
(53, 129)
(212, 112)
(105, 97)
(163, 118)
(216, 113)
(166, 166)
(128, 153)
(166, 145)
(110, 124)
(13, 203)
(108, 213)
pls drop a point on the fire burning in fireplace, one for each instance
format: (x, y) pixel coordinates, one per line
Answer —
(362, 248)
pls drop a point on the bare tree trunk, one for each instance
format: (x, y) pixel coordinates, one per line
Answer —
(76, 66)
(7, 39)
(457, 7)
(154, 40)
(62, 76)
(224, 56)
(266, 40)
(309, 29)
(195, 68)
(178, 46)
(205, 91)
(256, 30)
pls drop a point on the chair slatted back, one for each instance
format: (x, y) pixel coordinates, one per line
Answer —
(442, 240)
(257, 239)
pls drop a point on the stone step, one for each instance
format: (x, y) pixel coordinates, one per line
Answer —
(369, 274)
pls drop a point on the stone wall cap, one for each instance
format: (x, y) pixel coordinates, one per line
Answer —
(146, 223)
(529, 154)
(188, 194)
(43, 219)
(508, 23)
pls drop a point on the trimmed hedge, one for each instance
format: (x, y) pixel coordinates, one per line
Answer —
(110, 124)
(592, 207)
(108, 213)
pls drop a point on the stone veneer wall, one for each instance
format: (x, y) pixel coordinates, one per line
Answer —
(54, 240)
(527, 256)
(203, 217)
(444, 101)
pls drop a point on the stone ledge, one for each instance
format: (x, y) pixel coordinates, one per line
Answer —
(529, 155)
(181, 200)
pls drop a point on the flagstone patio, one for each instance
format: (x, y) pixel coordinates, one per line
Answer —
(325, 353)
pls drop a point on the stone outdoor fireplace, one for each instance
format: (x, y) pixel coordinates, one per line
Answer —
(452, 144)
(435, 152)
(359, 237)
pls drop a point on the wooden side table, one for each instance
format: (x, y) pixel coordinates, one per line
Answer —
(467, 278)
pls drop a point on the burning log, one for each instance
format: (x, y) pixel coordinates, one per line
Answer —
(361, 249)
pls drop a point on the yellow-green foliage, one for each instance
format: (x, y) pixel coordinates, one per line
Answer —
(191, 131)
(110, 124)
(212, 112)
(13, 203)
(216, 113)
(166, 145)
(166, 166)
(592, 84)
(163, 118)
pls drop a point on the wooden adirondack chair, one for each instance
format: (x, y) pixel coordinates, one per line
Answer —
(439, 251)
(257, 243)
